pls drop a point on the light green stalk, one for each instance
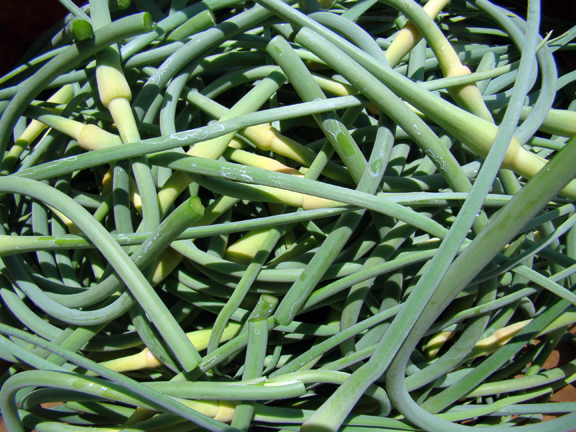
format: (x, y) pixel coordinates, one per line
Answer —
(467, 96)
(409, 36)
(89, 137)
(145, 359)
(33, 130)
(115, 94)
(476, 133)
(214, 148)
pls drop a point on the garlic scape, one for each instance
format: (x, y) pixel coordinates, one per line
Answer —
(89, 136)
(33, 130)
(557, 122)
(115, 93)
(265, 137)
(466, 96)
(476, 133)
(409, 35)
(145, 359)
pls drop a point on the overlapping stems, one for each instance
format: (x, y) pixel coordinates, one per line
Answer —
(311, 234)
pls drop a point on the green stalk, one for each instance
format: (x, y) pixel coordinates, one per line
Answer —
(255, 353)
(476, 133)
(152, 145)
(214, 148)
(467, 96)
(123, 265)
(115, 94)
(531, 198)
(71, 57)
(409, 36)
(335, 131)
(124, 385)
(69, 241)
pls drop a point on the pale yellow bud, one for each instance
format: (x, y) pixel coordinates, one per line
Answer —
(91, 137)
(111, 81)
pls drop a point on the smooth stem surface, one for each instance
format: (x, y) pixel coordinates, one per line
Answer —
(123, 265)
(531, 198)
(467, 96)
(409, 36)
(335, 131)
(71, 57)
